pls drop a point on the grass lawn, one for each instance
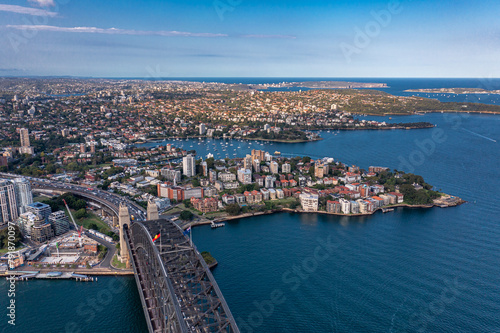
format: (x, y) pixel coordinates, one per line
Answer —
(284, 201)
(91, 218)
(41, 198)
(4, 251)
(117, 263)
(215, 214)
(192, 210)
(173, 211)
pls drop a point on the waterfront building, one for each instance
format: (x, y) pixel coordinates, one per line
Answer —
(399, 197)
(333, 206)
(376, 169)
(258, 155)
(345, 206)
(24, 195)
(59, 222)
(280, 194)
(205, 205)
(354, 207)
(392, 198)
(309, 202)
(189, 166)
(363, 206)
(272, 194)
(8, 202)
(379, 201)
(203, 129)
(387, 199)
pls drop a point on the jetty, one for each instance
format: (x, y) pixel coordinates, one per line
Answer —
(214, 225)
(25, 276)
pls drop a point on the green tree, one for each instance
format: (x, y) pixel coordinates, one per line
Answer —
(186, 215)
(233, 209)
(80, 214)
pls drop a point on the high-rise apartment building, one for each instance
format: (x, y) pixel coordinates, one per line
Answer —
(8, 202)
(25, 142)
(189, 166)
(24, 195)
(25, 139)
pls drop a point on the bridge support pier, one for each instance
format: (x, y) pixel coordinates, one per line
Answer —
(123, 220)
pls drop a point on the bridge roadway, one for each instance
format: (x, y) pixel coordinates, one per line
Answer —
(178, 291)
(105, 198)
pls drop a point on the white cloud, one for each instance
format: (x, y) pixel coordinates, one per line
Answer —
(43, 3)
(26, 10)
(269, 36)
(114, 31)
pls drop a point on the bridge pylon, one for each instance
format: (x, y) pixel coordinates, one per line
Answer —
(152, 211)
(124, 220)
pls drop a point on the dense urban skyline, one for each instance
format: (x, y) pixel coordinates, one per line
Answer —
(258, 38)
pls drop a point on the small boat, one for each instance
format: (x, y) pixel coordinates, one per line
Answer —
(214, 225)
(387, 210)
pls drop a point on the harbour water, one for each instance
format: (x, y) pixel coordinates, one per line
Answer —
(411, 270)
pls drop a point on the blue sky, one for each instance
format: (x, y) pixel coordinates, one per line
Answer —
(271, 38)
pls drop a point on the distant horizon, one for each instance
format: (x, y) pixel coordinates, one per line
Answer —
(244, 77)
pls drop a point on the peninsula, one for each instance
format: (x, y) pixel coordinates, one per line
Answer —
(457, 91)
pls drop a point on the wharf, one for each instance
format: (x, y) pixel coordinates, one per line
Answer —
(25, 276)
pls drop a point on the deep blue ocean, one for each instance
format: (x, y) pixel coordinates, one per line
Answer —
(411, 270)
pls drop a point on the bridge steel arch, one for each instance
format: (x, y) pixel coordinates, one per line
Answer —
(178, 291)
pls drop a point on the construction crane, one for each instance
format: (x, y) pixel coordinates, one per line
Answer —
(76, 226)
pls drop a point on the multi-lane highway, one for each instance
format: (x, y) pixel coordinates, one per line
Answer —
(107, 199)
(110, 200)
